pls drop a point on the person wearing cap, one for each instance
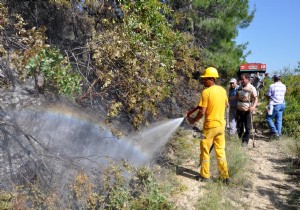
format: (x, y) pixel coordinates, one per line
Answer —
(247, 102)
(275, 96)
(213, 103)
(232, 105)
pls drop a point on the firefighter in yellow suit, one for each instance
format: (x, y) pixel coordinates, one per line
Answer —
(212, 105)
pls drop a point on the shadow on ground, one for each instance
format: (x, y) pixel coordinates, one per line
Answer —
(291, 203)
(188, 173)
(287, 193)
(287, 165)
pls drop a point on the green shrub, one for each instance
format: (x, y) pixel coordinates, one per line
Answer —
(292, 147)
(119, 198)
(6, 200)
(236, 157)
(122, 187)
(137, 61)
(291, 116)
(56, 71)
(215, 198)
(152, 199)
(146, 191)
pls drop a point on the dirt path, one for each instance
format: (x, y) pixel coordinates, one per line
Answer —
(273, 187)
(269, 185)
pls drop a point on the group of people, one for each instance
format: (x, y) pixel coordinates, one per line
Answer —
(242, 101)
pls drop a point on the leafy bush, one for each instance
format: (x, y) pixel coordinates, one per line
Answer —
(291, 116)
(121, 187)
(137, 60)
(3, 23)
(33, 57)
(236, 157)
(292, 146)
(152, 200)
(5, 200)
(215, 198)
(51, 64)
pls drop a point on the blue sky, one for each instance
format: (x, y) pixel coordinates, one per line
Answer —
(274, 34)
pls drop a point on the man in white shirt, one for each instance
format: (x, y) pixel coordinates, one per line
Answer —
(275, 96)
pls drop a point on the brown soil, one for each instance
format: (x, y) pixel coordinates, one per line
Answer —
(273, 186)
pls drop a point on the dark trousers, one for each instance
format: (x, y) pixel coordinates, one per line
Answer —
(244, 125)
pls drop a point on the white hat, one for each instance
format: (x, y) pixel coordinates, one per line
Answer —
(233, 80)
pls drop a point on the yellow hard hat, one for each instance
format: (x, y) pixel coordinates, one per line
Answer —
(210, 72)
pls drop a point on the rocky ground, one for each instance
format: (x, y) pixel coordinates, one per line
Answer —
(270, 182)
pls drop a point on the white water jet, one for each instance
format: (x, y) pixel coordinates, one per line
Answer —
(152, 139)
(70, 135)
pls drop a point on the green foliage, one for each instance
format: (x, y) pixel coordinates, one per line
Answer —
(135, 59)
(30, 42)
(214, 24)
(146, 22)
(291, 116)
(5, 200)
(3, 23)
(131, 52)
(226, 58)
(220, 22)
(143, 192)
(119, 198)
(292, 147)
(236, 157)
(153, 194)
(153, 200)
(39, 60)
(53, 66)
(216, 198)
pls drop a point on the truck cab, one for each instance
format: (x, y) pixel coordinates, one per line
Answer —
(253, 68)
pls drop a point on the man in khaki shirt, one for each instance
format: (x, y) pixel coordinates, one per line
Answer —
(247, 102)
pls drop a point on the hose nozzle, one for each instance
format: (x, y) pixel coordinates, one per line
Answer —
(196, 129)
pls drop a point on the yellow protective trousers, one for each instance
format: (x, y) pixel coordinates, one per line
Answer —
(214, 136)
